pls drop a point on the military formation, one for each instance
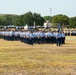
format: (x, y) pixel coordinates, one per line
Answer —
(34, 37)
(70, 32)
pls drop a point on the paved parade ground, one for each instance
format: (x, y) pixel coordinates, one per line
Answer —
(17, 58)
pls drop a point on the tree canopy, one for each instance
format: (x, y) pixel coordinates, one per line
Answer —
(62, 19)
(72, 22)
(29, 18)
(21, 20)
(49, 18)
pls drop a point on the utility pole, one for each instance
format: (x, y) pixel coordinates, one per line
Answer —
(50, 11)
(50, 15)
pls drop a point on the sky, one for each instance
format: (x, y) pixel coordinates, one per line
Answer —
(43, 7)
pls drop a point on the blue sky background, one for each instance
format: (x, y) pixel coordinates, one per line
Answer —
(65, 7)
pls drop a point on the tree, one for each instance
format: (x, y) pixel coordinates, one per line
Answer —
(61, 19)
(20, 21)
(49, 18)
(72, 22)
(29, 18)
(38, 19)
(2, 20)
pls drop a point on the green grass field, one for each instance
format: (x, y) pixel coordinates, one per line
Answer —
(17, 58)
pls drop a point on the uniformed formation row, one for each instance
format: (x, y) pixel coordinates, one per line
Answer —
(38, 37)
(70, 33)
